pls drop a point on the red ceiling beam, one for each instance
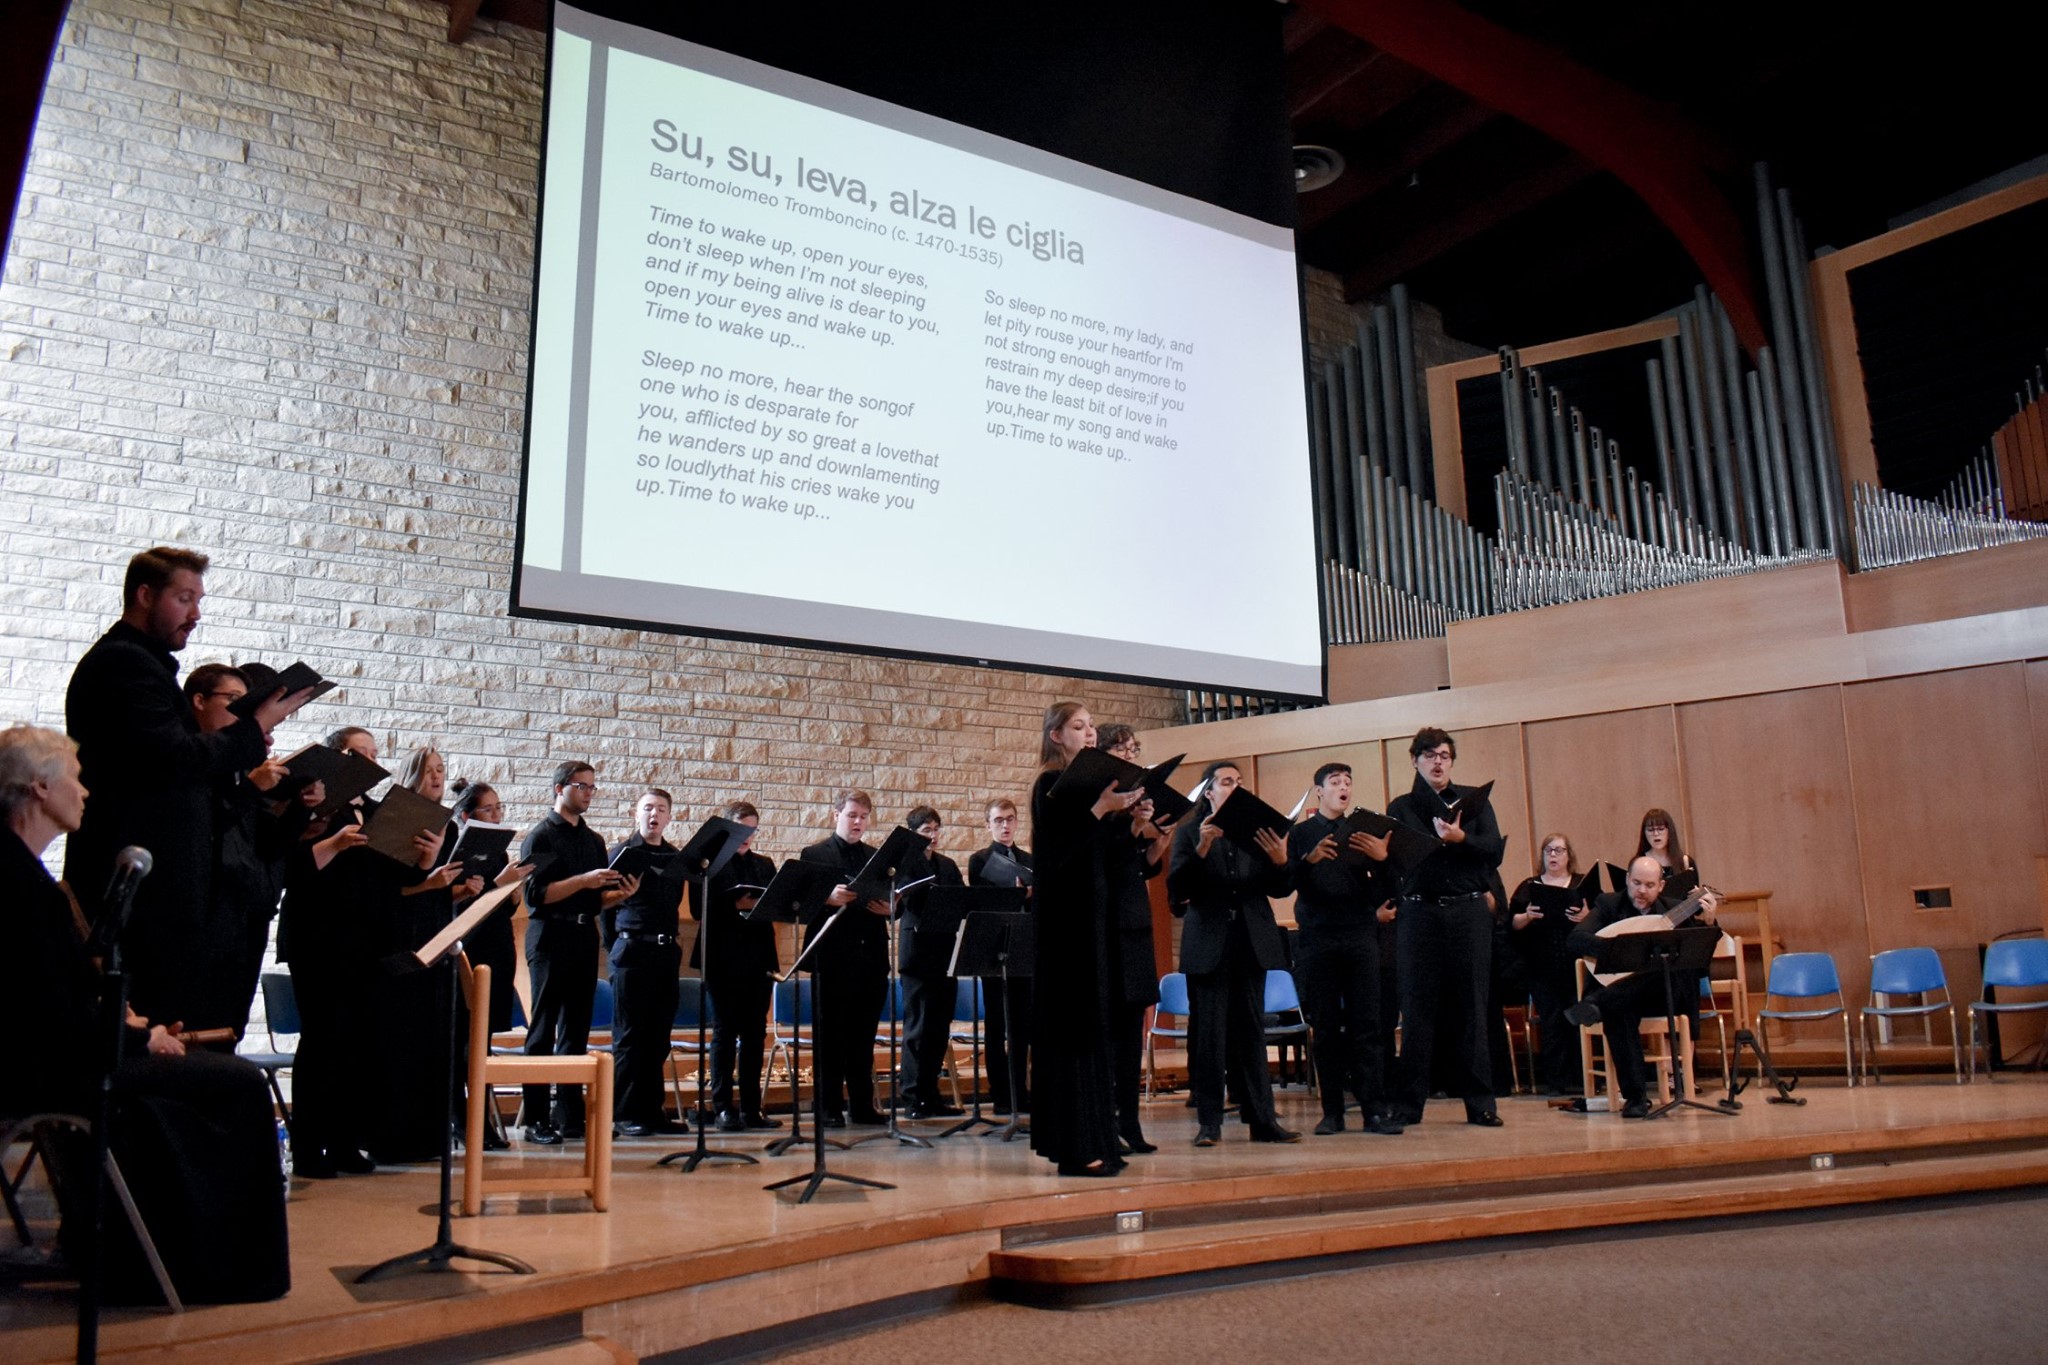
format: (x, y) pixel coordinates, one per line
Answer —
(1669, 162)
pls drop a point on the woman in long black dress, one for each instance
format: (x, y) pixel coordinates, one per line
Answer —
(1073, 1117)
(1137, 854)
(1539, 938)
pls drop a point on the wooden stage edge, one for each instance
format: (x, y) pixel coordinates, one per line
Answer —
(709, 1264)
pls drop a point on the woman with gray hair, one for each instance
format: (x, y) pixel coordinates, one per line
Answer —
(194, 1134)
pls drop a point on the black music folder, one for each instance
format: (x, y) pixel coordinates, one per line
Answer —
(1555, 900)
(1407, 848)
(706, 852)
(1243, 814)
(1472, 799)
(1000, 869)
(297, 678)
(1092, 770)
(346, 775)
(401, 817)
(480, 848)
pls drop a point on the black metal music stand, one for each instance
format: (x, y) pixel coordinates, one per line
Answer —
(445, 949)
(1002, 946)
(1667, 952)
(800, 898)
(716, 842)
(976, 953)
(796, 895)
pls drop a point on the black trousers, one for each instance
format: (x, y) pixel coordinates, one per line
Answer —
(1227, 1037)
(739, 1021)
(927, 1023)
(334, 1080)
(1127, 1063)
(1340, 997)
(561, 957)
(1446, 963)
(848, 1009)
(1005, 1052)
(1557, 1042)
(645, 987)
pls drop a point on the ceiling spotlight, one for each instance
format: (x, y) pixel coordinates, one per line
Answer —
(1315, 167)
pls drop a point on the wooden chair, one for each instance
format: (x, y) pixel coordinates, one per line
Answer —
(1656, 1052)
(591, 1070)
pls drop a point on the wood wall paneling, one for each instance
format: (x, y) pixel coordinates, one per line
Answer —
(1393, 668)
(1946, 794)
(1593, 777)
(1771, 809)
(1282, 778)
(1491, 754)
(1949, 588)
(1739, 617)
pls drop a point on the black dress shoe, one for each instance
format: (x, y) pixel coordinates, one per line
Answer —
(867, 1118)
(494, 1141)
(1385, 1125)
(1101, 1169)
(661, 1127)
(1406, 1114)
(1208, 1135)
(1636, 1109)
(352, 1162)
(1585, 1014)
(1135, 1141)
(732, 1121)
(1332, 1123)
(832, 1121)
(1274, 1133)
(761, 1122)
(314, 1167)
(543, 1135)
(572, 1133)
(1488, 1120)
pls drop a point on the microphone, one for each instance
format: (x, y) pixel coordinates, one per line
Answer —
(131, 865)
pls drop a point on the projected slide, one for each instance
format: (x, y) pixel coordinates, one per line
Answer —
(814, 367)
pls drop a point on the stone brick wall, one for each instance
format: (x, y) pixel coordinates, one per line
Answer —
(268, 296)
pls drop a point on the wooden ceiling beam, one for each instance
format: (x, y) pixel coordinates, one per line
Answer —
(1388, 259)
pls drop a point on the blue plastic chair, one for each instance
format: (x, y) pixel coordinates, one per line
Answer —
(1906, 971)
(1173, 1000)
(601, 1014)
(280, 1015)
(691, 1004)
(1808, 976)
(2015, 964)
(1282, 1001)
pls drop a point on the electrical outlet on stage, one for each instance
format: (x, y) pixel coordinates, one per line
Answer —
(1130, 1222)
(1822, 1161)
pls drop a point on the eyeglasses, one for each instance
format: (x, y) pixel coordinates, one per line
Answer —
(1436, 756)
(586, 786)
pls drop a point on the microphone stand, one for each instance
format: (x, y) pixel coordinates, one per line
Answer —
(703, 1152)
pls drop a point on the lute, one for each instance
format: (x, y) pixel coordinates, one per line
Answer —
(1654, 924)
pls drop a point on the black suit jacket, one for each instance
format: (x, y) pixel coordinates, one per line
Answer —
(860, 943)
(1208, 893)
(926, 949)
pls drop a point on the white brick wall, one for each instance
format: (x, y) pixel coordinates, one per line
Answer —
(268, 296)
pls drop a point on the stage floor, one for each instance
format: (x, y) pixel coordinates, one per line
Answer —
(683, 1260)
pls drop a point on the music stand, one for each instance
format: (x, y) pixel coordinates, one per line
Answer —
(716, 842)
(1000, 944)
(901, 856)
(444, 948)
(800, 897)
(976, 953)
(1667, 952)
(796, 894)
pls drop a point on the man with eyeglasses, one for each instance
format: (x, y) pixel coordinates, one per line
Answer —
(1445, 934)
(569, 889)
(997, 1045)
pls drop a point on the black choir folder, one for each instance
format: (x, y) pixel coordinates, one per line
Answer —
(297, 678)
(1473, 799)
(1243, 814)
(401, 817)
(1000, 869)
(1407, 848)
(345, 775)
(1555, 900)
(1092, 770)
(480, 848)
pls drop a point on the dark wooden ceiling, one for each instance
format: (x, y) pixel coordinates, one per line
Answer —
(1519, 238)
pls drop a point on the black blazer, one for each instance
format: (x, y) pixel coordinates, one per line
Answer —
(1210, 892)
